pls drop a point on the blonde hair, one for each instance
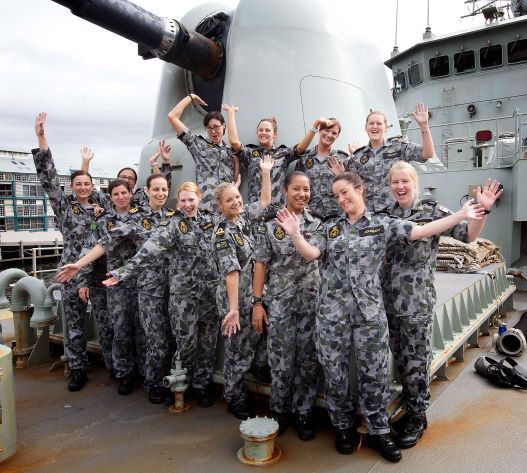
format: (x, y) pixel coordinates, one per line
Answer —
(378, 112)
(189, 187)
(409, 170)
(220, 189)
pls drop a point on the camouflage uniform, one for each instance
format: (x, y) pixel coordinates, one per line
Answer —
(214, 165)
(410, 296)
(234, 246)
(151, 289)
(193, 281)
(351, 320)
(373, 166)
(78, 226)
(291, 300)
(283, 156)
(322, 202)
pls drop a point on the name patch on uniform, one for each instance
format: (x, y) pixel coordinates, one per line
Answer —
(365, 159)
(76, 210)
(238, 239)
(334, 231)
(146, 224)
(262, 229)
(222, 244)
(110, 226)
(93, 226)
(256, 154)
(371, 231)
(133, 210)
(279, 233)
(309, 163)
(392, 155)
(183, 227)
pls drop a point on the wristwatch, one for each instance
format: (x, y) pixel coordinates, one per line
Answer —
(256, 300)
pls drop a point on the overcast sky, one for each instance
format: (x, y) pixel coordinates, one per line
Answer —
(98, 92)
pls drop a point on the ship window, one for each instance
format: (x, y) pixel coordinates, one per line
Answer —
(464, 62)
(414, 74)
(491, 56)
(439, 66)
(517, 51)
(399, 82)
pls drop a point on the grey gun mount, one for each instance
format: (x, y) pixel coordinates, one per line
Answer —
(164, 38)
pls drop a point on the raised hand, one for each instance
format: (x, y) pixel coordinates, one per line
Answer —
(229, 108)
(164, 151)
(267, 163)
(335, 166)
(231, 323)
(490, 193)
(421, 114)
(288, 221)
(198, 99)
(67, 273)
(111, 281)
(87, 154)
(353, 147)
(40, 120)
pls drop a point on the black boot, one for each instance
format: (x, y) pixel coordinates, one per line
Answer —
(78, 380)
(346, 440)
(383, 444)
(202, 397)
(240, 409)
(157, 394)
(413, 430)
(282, 419)
(126, 385)
(304, 426)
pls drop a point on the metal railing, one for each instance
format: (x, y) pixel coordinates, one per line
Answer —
(34, 257)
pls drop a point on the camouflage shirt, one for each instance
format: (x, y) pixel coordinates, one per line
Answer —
(250, 156)
(288, 272)
(233, 247)
(214, 165)
(409, 269)
(322, 203)
(76, 222)
(373, 166)
(351, 259)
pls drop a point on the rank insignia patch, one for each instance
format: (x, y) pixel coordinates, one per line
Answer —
(334, 231)
(365, 159)
(146, 224)
(76, 210)
(183, 227)
(309, 163)
(279, 233)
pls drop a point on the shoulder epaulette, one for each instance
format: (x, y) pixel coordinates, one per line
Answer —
(359, 149)
(220, 231)
(431, 202)
(395, 138)
(170, 212)
(341, 154)
(385, 211)
(133, 210)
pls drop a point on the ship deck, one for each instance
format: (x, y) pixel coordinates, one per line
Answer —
(473, 427)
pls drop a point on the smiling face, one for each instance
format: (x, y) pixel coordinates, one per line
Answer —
(230, 202)
(403, 188)
(121, 197)
(349, 197)
(266, 133)
(188, 202)
(297, 194)
(157, 193)
(375, 128)
(82, 186)
(329, 135)
(215, 130)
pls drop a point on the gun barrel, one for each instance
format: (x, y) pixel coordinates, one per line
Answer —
(156, 36)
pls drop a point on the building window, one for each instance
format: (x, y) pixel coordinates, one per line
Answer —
(414, 74)
(517, 51)
(399, 82)
(31, 224)
(22, 177)
(439, 66)
(2, 211)
(6, 189)
(491, 56)
(32, 190)
(464, 62)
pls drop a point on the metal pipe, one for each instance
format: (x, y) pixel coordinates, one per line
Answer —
(7, 277)
(34, 289)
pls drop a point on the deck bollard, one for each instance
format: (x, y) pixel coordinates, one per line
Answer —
(7, 404)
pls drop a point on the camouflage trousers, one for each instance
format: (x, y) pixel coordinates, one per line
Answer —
(75, 315)
(122, 305)
(242, 350)
(292, 354)
(339, 340)
(195, 325)
(155, 322)
(98, 300)
(411, 345)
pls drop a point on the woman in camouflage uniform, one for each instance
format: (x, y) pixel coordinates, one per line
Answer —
(234, 247)
(151, 282)
(77, 223)
(351, 320)
(289, 311)
(410, 296)
(266, 133)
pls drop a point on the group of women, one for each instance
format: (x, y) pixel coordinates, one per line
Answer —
(331, 261)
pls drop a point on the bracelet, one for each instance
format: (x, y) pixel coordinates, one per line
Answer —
(313, 129)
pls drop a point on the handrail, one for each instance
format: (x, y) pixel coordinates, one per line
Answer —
(34, 250)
